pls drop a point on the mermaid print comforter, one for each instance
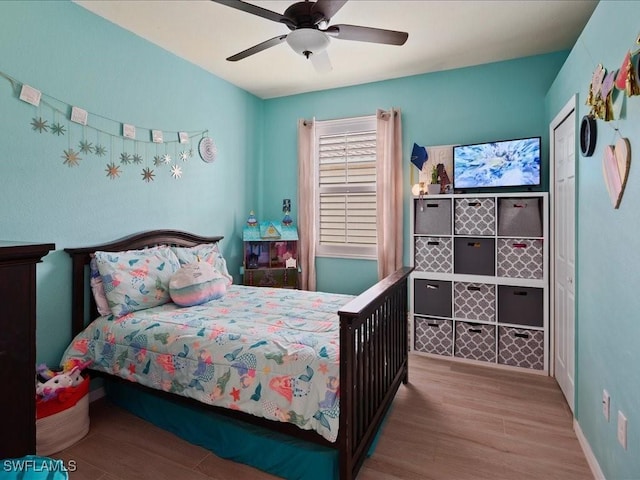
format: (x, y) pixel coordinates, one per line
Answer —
(269, 352)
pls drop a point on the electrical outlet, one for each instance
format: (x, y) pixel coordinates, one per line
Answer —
(606, 401)
(622, 429)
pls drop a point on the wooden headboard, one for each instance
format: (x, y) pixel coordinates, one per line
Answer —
(80, 258)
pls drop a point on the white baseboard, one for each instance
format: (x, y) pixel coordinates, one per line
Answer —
(588, 453)
(96, 394)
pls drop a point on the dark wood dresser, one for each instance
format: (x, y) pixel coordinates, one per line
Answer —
(18, 345)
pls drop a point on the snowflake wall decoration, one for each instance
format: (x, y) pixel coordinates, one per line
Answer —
(176, 171)
(57, 129)
(113, 170)
(100, 150)
(39, 124)
(137, 159)
(157, 160)
(166, 158)
(125, 158)
(71, 158)
(184, 156)
(85, 147)
(147, 174)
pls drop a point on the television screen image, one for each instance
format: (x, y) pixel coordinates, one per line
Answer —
(507, 163)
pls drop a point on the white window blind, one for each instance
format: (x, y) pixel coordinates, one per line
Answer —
(346, 195)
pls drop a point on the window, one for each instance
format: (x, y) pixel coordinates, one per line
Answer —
(346, 187)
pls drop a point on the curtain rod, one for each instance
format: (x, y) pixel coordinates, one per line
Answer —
(381, 113)
(386, 113)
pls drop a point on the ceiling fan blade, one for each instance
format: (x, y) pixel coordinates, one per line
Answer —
(255, 10)
(257, 48)
(367, 34)
(321, 62)
(328, 8)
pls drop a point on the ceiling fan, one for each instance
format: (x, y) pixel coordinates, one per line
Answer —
(310, 30)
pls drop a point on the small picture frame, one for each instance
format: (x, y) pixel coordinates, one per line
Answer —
(157, 136)
(79, 115)
(128, 131)
(30, 95)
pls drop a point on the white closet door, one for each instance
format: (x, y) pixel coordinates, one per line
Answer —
(564, 257)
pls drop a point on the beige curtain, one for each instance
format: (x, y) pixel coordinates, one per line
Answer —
(306, 204)
(389, 191)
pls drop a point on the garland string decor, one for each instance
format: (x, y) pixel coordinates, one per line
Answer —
(91, 142)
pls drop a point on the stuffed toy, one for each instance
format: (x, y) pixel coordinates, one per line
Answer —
(57, 382)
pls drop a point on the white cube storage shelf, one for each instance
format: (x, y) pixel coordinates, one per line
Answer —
(479, 290)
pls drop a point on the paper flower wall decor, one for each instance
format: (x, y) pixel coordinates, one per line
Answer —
(100, 150)
(57, 129)
(39, 125)
(71, 158)
(147, 175)
(176, 171)
(125, 158)
(113, 170)
(85, 147)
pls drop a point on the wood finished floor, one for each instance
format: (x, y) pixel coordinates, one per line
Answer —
(453, 421)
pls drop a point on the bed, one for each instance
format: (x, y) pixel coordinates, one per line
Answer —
(369, 338)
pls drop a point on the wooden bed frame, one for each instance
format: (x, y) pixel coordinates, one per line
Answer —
(373, 349)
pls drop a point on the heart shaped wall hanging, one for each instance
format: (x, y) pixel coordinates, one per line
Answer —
(615, 167)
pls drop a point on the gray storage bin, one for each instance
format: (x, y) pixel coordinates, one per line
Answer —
(475, 216)
(520, 217)
(521, 348)
(520, 258)
(433, 254)
(433, 336)
(474, 256)
(474, 301)
(475, 341)
(521, 305)
(432, 297)
(432, 216)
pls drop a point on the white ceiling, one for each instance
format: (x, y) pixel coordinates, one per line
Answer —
(442, 35)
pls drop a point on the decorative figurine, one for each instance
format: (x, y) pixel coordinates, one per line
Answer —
(252, 221)
(286, 208)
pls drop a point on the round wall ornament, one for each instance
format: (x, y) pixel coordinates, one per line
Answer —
(207, 149)
(588, 135)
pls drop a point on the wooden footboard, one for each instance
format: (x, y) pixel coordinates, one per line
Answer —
(373, 363)
(373, 349)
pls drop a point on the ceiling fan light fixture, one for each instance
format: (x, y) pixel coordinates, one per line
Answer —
(307, 41)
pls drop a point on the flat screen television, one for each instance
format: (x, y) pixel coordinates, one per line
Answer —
(505, 163)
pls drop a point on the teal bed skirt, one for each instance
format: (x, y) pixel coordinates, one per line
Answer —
(272, 452)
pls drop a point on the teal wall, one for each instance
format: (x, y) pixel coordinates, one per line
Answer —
(608, 249)
(109, 71)
(81, 59)
(488, 102)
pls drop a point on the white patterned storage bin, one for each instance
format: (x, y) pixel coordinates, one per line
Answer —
(474, 301)
(475, 341)
(521, 348)
(433, 336)
(520, 258)
(475, 216)
(433, 254)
